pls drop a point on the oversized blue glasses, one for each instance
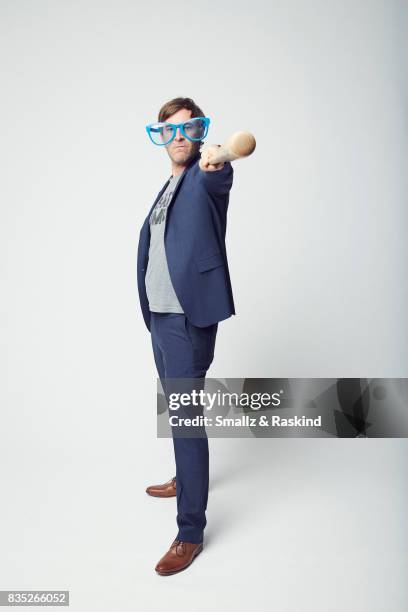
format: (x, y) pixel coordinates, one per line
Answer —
(194, 129)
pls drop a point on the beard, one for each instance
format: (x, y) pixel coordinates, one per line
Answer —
(182, 157)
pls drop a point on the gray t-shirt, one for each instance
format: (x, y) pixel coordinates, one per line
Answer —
(159, 288)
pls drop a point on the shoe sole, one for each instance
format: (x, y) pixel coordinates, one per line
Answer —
(159, 495)
(197, 552)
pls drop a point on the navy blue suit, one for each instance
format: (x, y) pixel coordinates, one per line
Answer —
(194, 239)
(183, 343)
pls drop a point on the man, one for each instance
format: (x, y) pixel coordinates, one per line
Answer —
(185, 290)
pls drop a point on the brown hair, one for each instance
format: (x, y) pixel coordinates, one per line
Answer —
(177, 104)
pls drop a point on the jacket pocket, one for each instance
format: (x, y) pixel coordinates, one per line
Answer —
(208, 263)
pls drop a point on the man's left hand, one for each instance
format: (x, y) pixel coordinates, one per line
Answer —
(205, 161)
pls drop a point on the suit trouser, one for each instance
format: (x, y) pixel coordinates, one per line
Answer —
(183, 350)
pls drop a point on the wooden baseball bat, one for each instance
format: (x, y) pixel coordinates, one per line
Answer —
(240, 144)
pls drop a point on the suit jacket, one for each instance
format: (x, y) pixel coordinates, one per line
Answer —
(194, 241)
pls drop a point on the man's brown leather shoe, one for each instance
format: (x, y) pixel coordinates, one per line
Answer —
(178, 557)
(168, 489)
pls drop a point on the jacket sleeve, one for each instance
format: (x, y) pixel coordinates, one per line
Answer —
(218, 182)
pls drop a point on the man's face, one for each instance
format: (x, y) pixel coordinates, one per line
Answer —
(180, 149)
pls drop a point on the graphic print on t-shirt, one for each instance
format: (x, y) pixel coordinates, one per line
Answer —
(159, 288)
(160, 210)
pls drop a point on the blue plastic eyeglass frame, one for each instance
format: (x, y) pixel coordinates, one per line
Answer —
(150, 128)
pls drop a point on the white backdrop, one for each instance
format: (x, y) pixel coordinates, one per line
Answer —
(315, 240)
